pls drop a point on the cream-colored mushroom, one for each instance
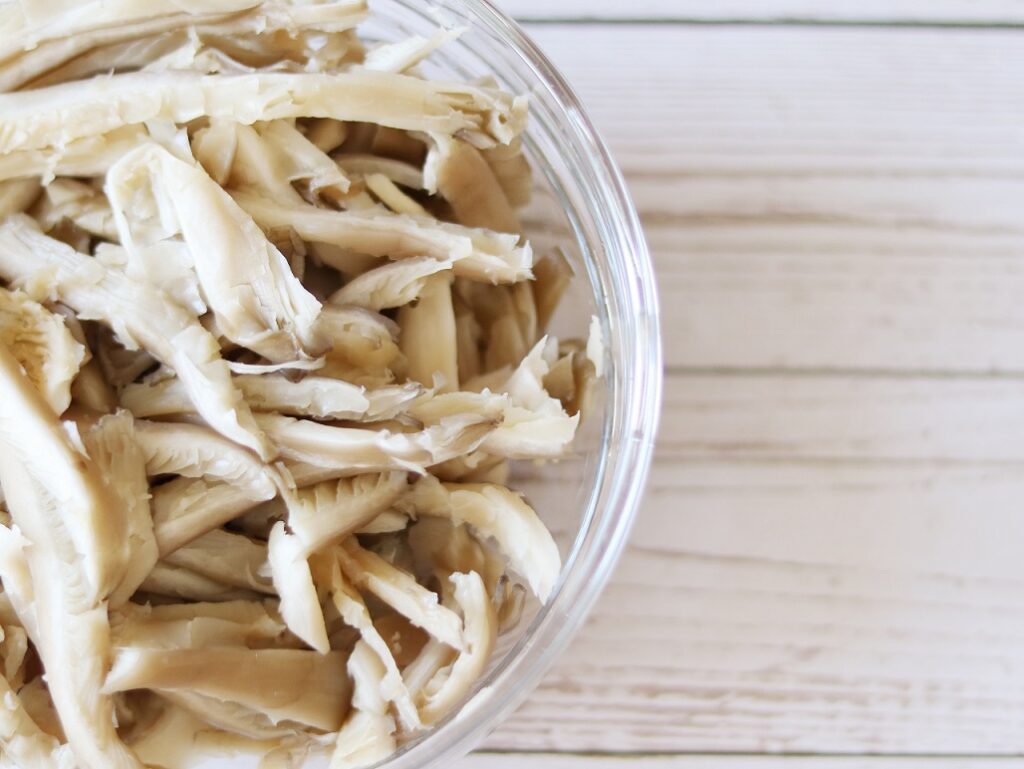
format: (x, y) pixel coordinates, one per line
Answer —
(444, 688)
(232, 717)
(300, 159)
(257, 301)
(43, 345)
(476, 254)
(112, 445)
(231, 559)
(293, 581)
(392, 196)
(139, 316)
(428, 335)
(55, 115)
(535, 425)
(177, 582)
(198, 452)
(16, 195)
(89, 156)
(322, 514)
(73, 504)
(284, 684)
(390, 285)
(187, 508)
(406, 54)
(312, 396)
(247, 624)
(21, 739)
(458, 172)
(71, 625)
(362, 343)
(41, 39)
(81, 203)
(368, 735)
(357, 450)
(495, 511)
(400, 591)
(354, 613)
(398, 171)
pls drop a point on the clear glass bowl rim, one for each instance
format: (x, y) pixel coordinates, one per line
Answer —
(633, 383)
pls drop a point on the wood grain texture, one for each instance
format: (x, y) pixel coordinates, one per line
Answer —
(828, 560)
(808, 209)
(597, 761)
(869, 11)
(801, 599)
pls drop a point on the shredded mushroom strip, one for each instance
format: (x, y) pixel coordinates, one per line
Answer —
(271, 345)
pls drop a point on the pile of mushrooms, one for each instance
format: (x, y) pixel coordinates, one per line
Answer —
(270, 336)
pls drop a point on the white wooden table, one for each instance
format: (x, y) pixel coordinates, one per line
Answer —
(829, 563)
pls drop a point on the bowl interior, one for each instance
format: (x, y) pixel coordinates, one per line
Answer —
(580, 206)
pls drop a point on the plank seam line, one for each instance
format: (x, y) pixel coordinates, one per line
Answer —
(642, 754)
(796, 21)
(825, 372)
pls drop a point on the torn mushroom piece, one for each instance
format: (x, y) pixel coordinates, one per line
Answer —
(70, 622)
(293, 581)
(495, 511)
(400, 590)
(198, 452)
(398, 171)
(17, 195)
(184, 584)
(362, 345)
(248, 624)
(187, 508)
(42, 40)
(460, 174)
(52, 116)
(390, 285)
(140, 316)
(21, 738)
(269, 352)
(476, 254)
(535, 425)
(82, 204)
(368, 735)
(356, 450)
(231, 559)
(317, 397)
(438, 689)
(112, 445)
(64, 496)
(428, 335)
(322, 514)
(44, 346)
(295, 685)
(353, 612)
(301, 161)
(257, 301)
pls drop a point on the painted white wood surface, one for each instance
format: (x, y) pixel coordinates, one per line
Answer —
(829, 558)
(820, 197)
(563, 761)
(873, 11)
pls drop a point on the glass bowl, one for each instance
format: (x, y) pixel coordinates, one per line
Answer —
(580, 205)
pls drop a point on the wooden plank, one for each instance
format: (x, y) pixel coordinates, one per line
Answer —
(796, 607)
(822, 565)
(864, 11)
(841, 418)
(838, 198)
(562, 761)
